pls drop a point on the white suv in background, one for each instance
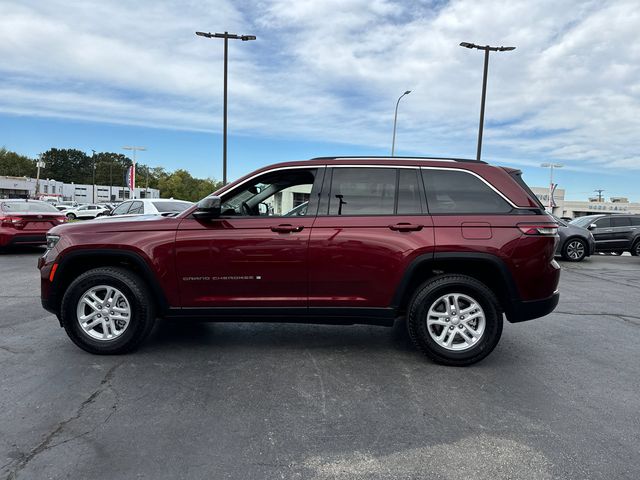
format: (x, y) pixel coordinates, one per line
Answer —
(86, 211)
(150, 206)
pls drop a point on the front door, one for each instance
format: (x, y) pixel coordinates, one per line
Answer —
(255, 254)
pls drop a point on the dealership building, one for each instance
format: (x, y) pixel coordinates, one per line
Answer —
(579, 208)
(25, 187)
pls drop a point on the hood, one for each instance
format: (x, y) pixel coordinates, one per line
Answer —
(119, 224)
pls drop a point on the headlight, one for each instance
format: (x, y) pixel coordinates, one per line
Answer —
(52, 241)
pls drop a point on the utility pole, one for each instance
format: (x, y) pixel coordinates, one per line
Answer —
(133, 171)
(486, 49)
(111, 180)
(39, 164)
(226, 36)
(599, 190)
(93, 191)
(551, 166)
(395, 121)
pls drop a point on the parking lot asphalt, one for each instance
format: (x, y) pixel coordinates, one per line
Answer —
(558, 398)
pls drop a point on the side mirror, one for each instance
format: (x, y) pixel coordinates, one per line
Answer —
(593, 226)
(208, 207)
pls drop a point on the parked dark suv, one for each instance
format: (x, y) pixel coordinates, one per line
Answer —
(613, 233)
(451, 245)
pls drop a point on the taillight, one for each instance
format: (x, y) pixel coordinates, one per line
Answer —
(538, 229)
(11, 221)
(61, 219)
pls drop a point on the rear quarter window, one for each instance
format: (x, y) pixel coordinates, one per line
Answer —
(457, 192)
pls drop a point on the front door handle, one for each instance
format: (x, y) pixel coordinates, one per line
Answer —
(405, 227)
(286, 228)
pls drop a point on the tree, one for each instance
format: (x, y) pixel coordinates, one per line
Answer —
(67, 165)
(180, 184)
(16, 165)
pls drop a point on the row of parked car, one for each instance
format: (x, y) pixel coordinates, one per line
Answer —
(584, 236)
(26, 222)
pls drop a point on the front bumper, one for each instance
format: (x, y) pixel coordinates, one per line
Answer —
(521, 311)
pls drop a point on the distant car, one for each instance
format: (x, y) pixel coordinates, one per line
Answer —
(613, 233)
(576, 243)
(26, 222)
(86, 212)
(150, 206)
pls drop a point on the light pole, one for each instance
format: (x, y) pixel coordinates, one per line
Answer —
(551, 166)
(395, 121)
(226, 36)
(133, 171)
(93, 192)
(486, 49)
(39, 164)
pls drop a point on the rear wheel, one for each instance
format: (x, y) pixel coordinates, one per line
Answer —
(454, 320)
(635, 249)
(107, 311)
(71, 216)
(574, 250)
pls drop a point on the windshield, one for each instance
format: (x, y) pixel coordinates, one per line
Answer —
(164, 207)
(28, 207)
(584, 221)
(560, 221)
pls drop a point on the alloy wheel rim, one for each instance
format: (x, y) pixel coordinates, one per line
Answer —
(575, 250)
(456, 322)
(103, 312)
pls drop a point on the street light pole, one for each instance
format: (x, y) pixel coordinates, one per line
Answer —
(551, 166)
(133, 172)
(395, 121)
(93, 191)
(226, 36)
(39, 164)
(486, 49)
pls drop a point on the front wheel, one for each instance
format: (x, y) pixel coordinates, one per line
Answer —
(574, 250)
(107, 311)
(454, 320)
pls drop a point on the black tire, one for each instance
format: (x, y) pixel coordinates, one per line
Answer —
(137, 294)
(574, 250)
(635, 249)
(428, 294)
(71, 216)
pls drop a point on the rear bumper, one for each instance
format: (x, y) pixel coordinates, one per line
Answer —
(31, 238)
(522, 311)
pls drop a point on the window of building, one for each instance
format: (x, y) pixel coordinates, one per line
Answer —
(362, 191)
(458, 192)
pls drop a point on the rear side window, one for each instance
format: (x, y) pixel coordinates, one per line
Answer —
(362, 191)
(620, 221)
(458, 192)
(635, 220)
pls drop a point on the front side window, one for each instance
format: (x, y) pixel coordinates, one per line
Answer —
(456, 192)
(362, 191)
(603, 222)
(121, 209)
(137, 208)
(272, 194)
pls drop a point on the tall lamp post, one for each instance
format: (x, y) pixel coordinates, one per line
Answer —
(133, 173)
(395, 121)
(39, 164)
(93, 191)
(551, 166)
(226, 36)
(486, 49)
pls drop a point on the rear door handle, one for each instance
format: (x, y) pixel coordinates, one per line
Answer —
(286, 228)
(405, 227)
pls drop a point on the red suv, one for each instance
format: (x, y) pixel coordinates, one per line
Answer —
(452, 245)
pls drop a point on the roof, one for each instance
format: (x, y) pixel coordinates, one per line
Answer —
(396, 158)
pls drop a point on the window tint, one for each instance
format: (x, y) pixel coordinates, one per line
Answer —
(271, 194)
(362, 191)
(635, 220)
(121, 209)
(408, 192)
(603, 222)
(456, 192)
(620, 221)
(136, 208)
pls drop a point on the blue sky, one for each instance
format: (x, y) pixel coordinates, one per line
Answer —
(323, 78)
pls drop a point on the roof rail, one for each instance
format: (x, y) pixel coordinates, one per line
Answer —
(384, 157)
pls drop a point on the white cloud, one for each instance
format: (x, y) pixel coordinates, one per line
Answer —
(332, 70)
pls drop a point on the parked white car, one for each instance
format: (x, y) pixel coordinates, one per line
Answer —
(150, 206)
(86, 211)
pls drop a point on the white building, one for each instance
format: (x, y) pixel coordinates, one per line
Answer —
(25, 187)
(580, 208)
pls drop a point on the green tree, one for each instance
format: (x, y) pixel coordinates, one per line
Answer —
(180, 184)
(14, 164)
(67, 165)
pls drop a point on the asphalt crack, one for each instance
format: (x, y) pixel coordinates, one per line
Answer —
(48, 444)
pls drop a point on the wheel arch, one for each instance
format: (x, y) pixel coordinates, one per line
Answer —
(73, 264)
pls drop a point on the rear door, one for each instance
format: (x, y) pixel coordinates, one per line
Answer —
(621, 232)
(371, 223)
